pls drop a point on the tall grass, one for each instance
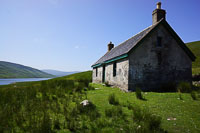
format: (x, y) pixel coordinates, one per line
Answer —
(138, 93)
(184, 87)
(54, 106)
(194, 95)
(148, 122)
(113, 99)
(46, 106)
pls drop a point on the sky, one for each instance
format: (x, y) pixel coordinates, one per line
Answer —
(71, 35)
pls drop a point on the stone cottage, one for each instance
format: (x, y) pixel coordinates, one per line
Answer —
(150, 59)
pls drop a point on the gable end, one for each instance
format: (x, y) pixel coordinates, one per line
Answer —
(173, 33)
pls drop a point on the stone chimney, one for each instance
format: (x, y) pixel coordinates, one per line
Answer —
(110, 46)
(158, 13)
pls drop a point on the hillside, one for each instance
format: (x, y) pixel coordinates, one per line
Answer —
(58, 73)
(195, 48)
(12, 70)
(54, 106)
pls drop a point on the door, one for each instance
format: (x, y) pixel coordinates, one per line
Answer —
(103, 75)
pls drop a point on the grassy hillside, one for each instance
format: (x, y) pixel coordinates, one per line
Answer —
(12, 70)
(177, 116)
(77, 76)
(195, 48)
(58, 73)
(54, 106)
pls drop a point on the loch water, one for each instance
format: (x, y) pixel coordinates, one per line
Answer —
(10, 81)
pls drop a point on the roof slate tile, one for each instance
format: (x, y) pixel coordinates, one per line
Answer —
(124, 47)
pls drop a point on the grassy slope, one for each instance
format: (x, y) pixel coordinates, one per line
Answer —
(12, 70)
(78, 76)
(40, 102)
(186, 111)
(195, 48)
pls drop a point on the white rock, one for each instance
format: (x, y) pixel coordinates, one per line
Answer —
(84, 102)
(171, 118)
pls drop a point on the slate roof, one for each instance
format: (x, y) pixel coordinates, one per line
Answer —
(124, 47)
(129, 44)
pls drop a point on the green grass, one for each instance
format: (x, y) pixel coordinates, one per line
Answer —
(195, 48)
(78, 76)
(54, 105)
(166, 105)
(45, 106)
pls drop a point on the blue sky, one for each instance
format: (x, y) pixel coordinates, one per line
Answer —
(71, 35)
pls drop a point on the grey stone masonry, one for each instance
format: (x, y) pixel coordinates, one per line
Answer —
(151, 66)
(158, 14)
(121, 78)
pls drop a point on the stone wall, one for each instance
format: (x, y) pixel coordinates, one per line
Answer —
(121, 78)
(152, 66)
(98, 78)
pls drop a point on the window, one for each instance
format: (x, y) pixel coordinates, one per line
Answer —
(159, 58)
(114, 69)
(104, 73)
(96, 72)
(159, 41)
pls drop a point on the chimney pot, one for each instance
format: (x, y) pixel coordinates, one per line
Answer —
(159, 5)
(110, 46)
(158, 13)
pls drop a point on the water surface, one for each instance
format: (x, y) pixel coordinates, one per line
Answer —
(10, 81)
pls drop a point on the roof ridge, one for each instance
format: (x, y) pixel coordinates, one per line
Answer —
(140, 32)
(131, 37)
(152, 26)
(127, 45)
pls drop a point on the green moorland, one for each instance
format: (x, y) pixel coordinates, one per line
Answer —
(195, 48)
(177, 116)
(12, 70)
(54, 106)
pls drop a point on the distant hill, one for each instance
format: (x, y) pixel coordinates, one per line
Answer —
(195, 48)
(58, 73)
(12, 70)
